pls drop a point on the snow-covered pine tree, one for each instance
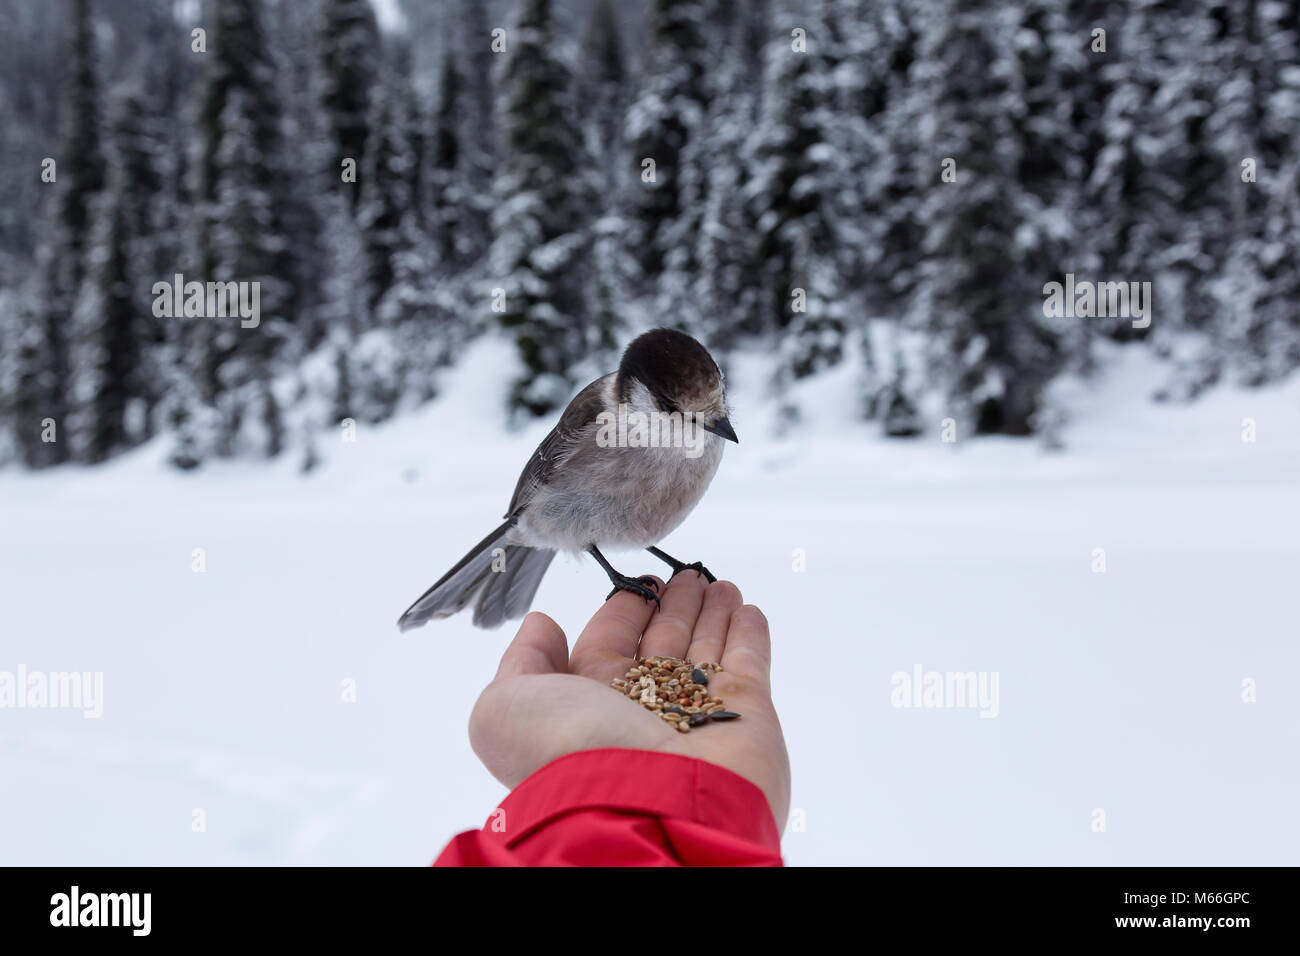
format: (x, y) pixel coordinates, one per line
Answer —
(385, 214)
(1095, 40)
(237, 61)
(189, 421)
(754, 31)
(469, 32)
(143, 176)
(310, 162)
(1050, 169)
(414, 118)
(347, 44)
(345, 310)
(418, 263)
(1257, 291)
(401, 270)
(544, 196)
(1191, 211)
(245, 247)
(1119, 203)
(345, 403)
(474, 118)
(271, 439)
(1090, 75)
(979, 300)
(81, 171)
(1166, 205)
(33, 60)
(45, 371)
(10, 333)
(240, 211)
(604, 84)
(36, 390)
(109, 345)
(449, 200)
(884, 47)
(855, 92)
(728, 286)
(799, 176)
(664, 117)
(878, 210)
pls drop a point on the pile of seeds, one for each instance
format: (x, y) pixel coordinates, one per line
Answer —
(675, 689)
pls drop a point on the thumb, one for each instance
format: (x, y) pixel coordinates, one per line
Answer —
(538, 648)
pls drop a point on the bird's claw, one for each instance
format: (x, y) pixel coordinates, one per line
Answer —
(645, 586)
(696, 566)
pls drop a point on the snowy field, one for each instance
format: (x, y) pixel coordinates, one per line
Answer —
(1119, 691)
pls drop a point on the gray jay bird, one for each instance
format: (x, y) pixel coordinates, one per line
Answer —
(630, 457)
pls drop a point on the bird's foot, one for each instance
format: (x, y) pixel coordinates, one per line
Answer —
(680, 566)
(696, 566)
(645, 586)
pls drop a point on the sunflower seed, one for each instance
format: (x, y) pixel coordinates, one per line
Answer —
(674, 689)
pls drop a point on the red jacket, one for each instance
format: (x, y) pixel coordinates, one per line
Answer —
(618, 807)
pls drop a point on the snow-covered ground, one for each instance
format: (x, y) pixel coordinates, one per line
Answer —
(1118, 691)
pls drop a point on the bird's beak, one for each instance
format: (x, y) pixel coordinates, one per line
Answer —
(722, 428)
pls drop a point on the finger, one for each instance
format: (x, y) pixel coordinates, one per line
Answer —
(748, 652)
(720, 601)
(669, 633)
(539, 647)
(611, 636)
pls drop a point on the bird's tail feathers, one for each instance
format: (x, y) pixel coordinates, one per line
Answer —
(503, 577)
(509, 593)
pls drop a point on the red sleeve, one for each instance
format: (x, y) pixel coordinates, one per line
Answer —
(617, 807)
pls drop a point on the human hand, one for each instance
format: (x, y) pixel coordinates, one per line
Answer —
(545, 702)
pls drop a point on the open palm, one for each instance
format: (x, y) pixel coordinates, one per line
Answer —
(545, 702)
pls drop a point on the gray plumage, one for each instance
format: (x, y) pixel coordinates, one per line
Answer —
(576, 492)
(501, 594)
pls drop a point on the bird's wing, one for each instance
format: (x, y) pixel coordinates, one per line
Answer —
(555, 447)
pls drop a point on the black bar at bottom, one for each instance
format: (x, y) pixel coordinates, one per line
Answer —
(334, 905)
